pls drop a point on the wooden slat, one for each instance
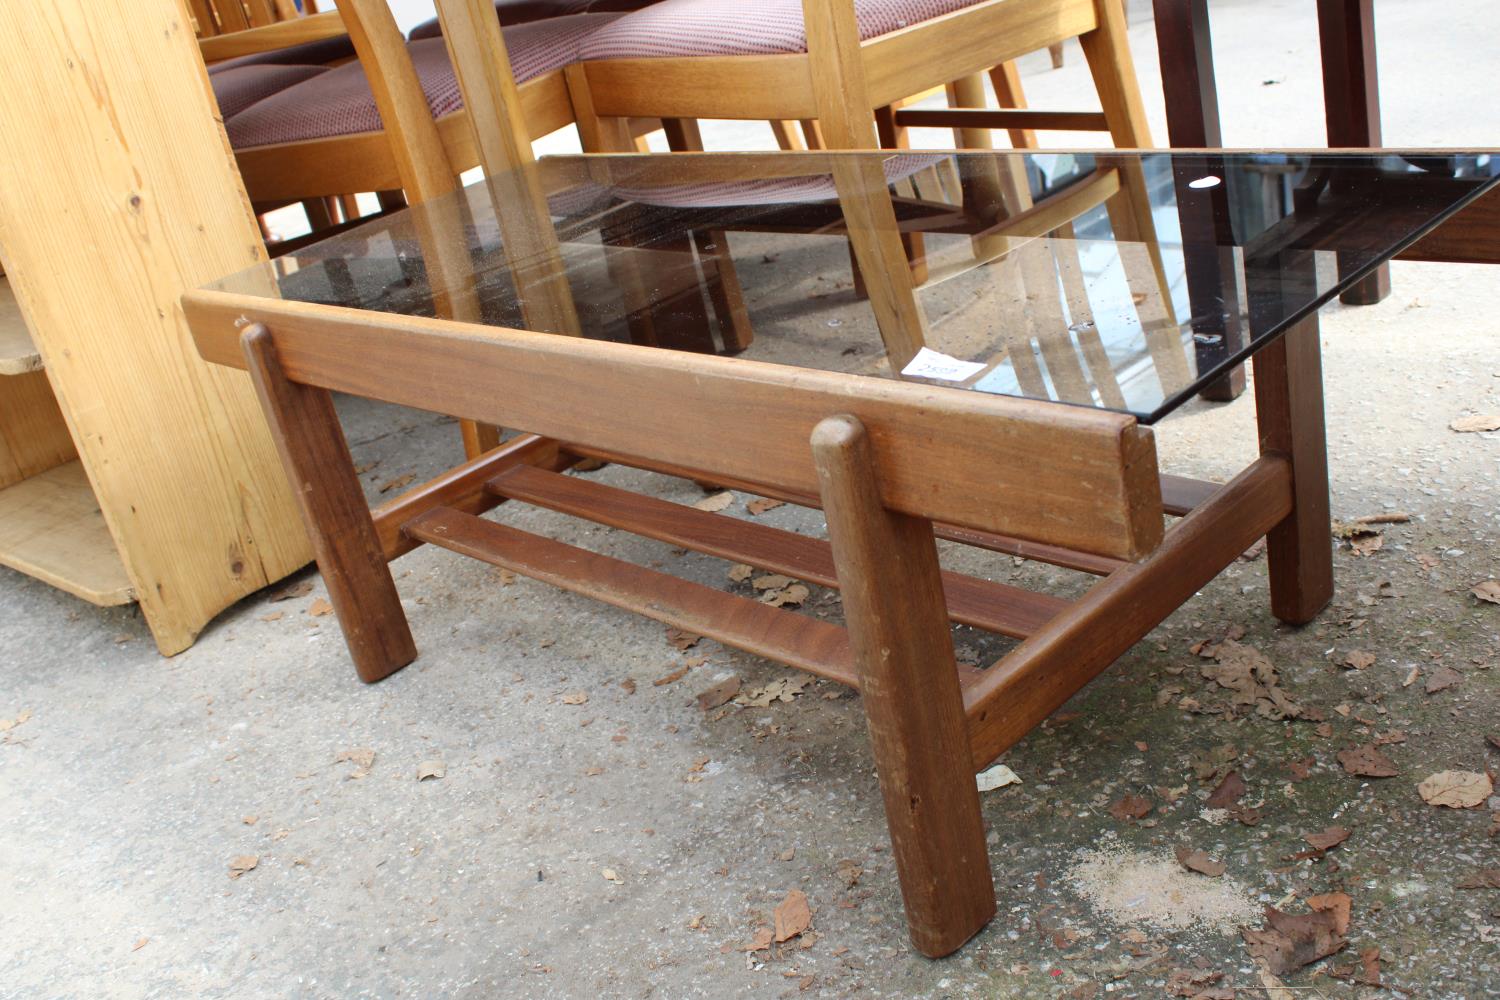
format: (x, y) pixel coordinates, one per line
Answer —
(51, 528)
(33, 433)
(1035, 678)
(991, 541)
(986, 118)
(1179, 494)
(995, 607)
(797, 640)
(461, 488)
(270, 37)
(1060, 475)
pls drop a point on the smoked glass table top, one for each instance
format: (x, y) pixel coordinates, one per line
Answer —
(1124, 281)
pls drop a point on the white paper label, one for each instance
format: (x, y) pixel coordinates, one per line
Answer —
(931, 364)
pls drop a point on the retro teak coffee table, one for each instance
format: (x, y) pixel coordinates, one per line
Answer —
(985, 371)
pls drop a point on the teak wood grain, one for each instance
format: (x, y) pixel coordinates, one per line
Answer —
(904, 655)
(809, 644)
(349, 553)
(994, 607)
(972, 459)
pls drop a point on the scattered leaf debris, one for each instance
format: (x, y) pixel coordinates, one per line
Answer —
(610, 875)
(431, 770)
(1367, 762)
(792, 916)
(1456, 789)
(1131, 807)
(1477, 423)
(1328, 839)
(1442, 679)
(1290, 941)
(719, 694)
(715, 502)
(672, 677)
(1199, 861)
(1485, 878)
(319, 607)
(292, 591)
(242, 863)
(575, 698)
(1359, 659)
(682, 639)
(363, 758)
(1487, 590)
(781, 689)
(763, 504)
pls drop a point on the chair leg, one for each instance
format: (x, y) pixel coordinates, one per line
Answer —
(786, 136)
(316, 456)
(909, 686)
(721, 279)
(1006, 79)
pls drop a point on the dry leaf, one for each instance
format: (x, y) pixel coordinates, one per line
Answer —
(241, 864)
(1228, 792)
(1477, 423)
(792, 915)
(1487, 590)
(1393, 517)
(761, 941)
(682, 639)
(1486, 878)
(295, 590)
(363, 758)
(719, 694)
(740, 572)
(793, 595)
(397, 483)
(433, 769)
(1300, 769)
(1338, 905)
(995, 777)
(1289, 942)
(249, 820)
(140, 944)
(771, 581)
(849, 872)
(782, 689)
(1252, 680)
(629, 685)
(575, 698)
(1367, 762)
(6, 725)
(758, 507)
(592, 772)
(716, 502)
(1129, 807)
(1191, 982)
(1328, 839)
(1442, 679)
(274, 616)
(610, 875)
(671, 678)
(1358, 659)
(319, 607)
(1199, 861)
(1456, 789)
(1368, 544)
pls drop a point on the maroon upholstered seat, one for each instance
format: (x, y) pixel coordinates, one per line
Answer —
(744, 27)
(241, 86)
(521, 11)
(322, 52)
(339, 102)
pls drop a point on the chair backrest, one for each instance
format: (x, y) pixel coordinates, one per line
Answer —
(219, 17)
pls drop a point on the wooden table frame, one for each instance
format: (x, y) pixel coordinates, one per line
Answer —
(894, 465)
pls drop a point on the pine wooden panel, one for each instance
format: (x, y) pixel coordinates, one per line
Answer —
(51, 528)
(33, 435)
(99, 249)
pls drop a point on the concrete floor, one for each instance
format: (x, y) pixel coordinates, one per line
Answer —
(135, 781)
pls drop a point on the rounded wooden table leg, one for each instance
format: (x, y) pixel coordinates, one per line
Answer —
(898, 625)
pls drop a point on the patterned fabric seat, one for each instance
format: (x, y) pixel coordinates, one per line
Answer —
(239, 87)
(521, 11)
(323, 52)
(339, 102)
(675, 28)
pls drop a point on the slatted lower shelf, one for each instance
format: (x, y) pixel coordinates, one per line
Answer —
(51, 528)
(994, 607)
(816, 646)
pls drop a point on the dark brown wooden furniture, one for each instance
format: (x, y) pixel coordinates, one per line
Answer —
(944, 447)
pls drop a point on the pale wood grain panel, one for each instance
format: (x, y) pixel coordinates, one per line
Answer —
(99, 248)
(51, 529)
